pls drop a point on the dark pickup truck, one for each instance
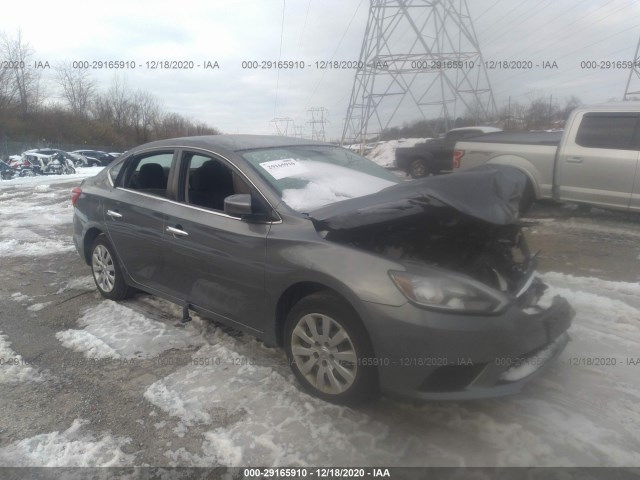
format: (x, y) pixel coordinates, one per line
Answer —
(435, 155)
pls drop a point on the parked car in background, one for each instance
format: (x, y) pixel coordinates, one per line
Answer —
(434, 155)
(6, 172)
(78, 160)
(368, 282)
(41, 164)
(595, 161)
(96, 158)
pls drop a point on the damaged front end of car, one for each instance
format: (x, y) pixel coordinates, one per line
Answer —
(465, 257)
(466, 223)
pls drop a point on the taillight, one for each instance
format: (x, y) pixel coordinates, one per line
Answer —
(457, 157)
(75, 195)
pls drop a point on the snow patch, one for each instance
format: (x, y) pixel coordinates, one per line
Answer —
(264, 416)
(13, 368)
(47, 180)
(112, 330)
(90, 345)
(36, 307)
(20, 297)
(14, 248)
(80, 283)
(384, 154)
(73, 447)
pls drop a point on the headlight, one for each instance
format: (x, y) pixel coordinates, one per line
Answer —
(449, 293)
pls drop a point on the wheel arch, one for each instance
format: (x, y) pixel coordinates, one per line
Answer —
(299, 290)
(88, 239)
(534, 176)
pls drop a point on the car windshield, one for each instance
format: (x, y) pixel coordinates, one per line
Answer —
(308, 177)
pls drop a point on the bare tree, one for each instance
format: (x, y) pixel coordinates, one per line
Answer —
(6, 87)
(145, 112)
(119, 99)
(25, 80)
(78, 88)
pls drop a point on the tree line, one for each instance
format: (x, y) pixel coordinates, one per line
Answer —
(540, 112)
(77, 111)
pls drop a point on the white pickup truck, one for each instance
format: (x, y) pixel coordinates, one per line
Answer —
(595, 161)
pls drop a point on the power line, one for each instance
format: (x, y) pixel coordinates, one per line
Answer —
(334, 52)
(275, 106)
(486, 10)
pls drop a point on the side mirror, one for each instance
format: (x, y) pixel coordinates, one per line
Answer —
(238, 205)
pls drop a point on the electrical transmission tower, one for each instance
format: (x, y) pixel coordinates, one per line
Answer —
(317, 122)
(282, 125)
(419, 60)
(632, 90)
(298, 131)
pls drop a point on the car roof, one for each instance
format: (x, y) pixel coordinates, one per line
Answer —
(611, 107)
(233, 143)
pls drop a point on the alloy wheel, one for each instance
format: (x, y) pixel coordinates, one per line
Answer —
(324, 353)
(103, 268)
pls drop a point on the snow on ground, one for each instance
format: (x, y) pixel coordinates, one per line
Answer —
(384, 154)
(113, 330)
(13, 368)
(80, 283)
(34, 234)
(38, 180)
(576, 413)
(73, 447)
(274, 423)
(239, 399)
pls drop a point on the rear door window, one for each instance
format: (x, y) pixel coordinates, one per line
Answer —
(147, 173)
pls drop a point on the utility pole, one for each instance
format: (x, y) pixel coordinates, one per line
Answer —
(632, 90)
(317, 122)
(420, 59)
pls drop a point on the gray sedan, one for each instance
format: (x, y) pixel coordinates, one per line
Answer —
(424, 289)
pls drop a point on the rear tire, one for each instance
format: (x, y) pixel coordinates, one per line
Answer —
(328, 347)
(106, 271)
(527, 198)
(418, 168)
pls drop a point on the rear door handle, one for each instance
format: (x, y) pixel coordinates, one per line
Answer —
(114, 214)
(177, 230)
(574, 159)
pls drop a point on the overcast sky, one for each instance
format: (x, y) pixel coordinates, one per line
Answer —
(237, 100)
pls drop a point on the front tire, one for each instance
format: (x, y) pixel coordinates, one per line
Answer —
(106, 271)
(329, 350)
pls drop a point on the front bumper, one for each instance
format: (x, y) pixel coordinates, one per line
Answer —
(430, 355)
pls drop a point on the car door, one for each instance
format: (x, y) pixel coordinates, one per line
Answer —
(134, 216)
(599, 160)
(217, 262)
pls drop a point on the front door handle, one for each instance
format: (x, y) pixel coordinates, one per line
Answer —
(177, 231)
(114, 214)
(574, 159)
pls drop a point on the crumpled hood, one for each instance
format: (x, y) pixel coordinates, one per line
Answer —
(489, 192)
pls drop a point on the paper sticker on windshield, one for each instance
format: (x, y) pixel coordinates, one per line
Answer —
(284, 168)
